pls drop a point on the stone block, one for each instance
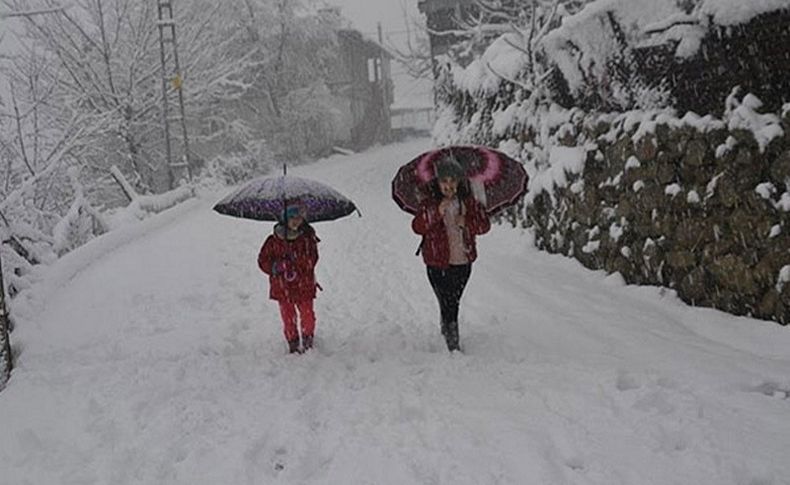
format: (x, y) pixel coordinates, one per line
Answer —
(780, 168)
(697, 153)
(732, 273)
(681, 259)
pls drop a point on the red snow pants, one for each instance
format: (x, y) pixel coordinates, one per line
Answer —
(306, 317)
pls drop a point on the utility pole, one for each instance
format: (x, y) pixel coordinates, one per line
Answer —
(386, 124)
(172, 84)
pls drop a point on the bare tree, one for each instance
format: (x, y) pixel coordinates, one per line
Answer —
(104, 63)
(292, 51)
(84, 96)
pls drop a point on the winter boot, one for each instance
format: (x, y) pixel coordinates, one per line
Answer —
(307, 342)
(451, 337)
(293, 346)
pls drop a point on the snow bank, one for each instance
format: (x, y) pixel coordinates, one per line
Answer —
(733, 12)
(584, 42)
(562, 161)
(743, 115)
(47, 279)
(502, 59)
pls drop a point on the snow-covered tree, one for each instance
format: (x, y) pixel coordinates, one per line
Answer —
(5, 340)
(102, 64)
(84, 95)
(481, 21)
(294, 49)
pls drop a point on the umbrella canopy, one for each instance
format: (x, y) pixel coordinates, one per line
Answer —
(265, 199)
(496, 180)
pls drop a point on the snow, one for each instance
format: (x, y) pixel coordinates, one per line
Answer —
(784, 277)
(500, 60)
(672, 190)
(710, 189)
(743, 115)
(726, 147)
(591, 247)
(625, 251)
(765, 190)
(583, 43)
(734, 12)
(693, 197)
(615, 231)
(632, 162)
(152, 355)
(562, 161)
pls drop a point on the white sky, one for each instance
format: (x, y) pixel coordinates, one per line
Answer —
(365, 14)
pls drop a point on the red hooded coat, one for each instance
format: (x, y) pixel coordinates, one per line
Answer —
(300, 256)
(430, 225)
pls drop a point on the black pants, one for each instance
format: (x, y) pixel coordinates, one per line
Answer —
(449, 284)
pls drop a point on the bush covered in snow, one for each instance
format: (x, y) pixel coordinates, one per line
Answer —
(632, 54)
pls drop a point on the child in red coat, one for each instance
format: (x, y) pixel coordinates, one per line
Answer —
(289, 256)
(449, 222)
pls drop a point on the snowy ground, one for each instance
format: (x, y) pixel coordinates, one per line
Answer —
(152, 356)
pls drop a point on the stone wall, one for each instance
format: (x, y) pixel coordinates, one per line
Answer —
(753, 56)
(697, 207)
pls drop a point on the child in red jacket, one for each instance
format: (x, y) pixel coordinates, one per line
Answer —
(448, 223)
(289, 256)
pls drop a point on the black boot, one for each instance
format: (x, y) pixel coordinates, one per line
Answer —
(307, 342)
(293, 346)
(451, 336)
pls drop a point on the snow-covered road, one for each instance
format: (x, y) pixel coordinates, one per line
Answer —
(153, 356)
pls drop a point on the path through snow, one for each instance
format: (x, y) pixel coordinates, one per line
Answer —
(153, 356)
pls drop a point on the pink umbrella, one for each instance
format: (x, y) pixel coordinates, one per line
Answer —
(495, 179)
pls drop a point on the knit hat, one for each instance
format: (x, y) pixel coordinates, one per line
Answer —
(294, 208)
(291, 212)
(448, 167)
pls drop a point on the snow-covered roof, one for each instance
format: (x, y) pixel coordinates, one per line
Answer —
(371, 46)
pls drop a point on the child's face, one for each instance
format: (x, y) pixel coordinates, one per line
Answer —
(295, 221)
(448, 186)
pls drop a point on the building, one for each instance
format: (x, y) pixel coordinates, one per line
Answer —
(362, 82)
(412, 121)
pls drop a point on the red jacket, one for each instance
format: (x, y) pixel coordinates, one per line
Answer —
(430, 225)
(300, 256)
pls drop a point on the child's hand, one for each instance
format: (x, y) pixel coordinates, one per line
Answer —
(279, 267)
(444, 205)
